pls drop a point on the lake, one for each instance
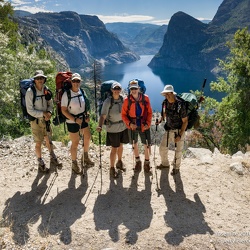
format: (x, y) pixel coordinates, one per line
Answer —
(182, 80)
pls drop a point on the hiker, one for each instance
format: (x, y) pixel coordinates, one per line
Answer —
(137, 115)
(75, 110)
(39, 108)
(174, 111)
(117, 132)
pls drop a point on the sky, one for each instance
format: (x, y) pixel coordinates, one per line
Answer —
(139, 11)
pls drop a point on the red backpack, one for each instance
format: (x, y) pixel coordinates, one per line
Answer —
(63, 83)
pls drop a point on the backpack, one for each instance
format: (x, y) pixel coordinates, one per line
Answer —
(141, 85)
(63, 83)
(191, 104)
(105, 93)
(24, 85)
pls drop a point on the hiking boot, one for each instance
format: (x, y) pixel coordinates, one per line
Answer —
(147, 167)
(75, 167)
(161, 166)
(113, 173)
(119, 166)
(137, 166)
(175, 171)
(87, 161)
(42, 167)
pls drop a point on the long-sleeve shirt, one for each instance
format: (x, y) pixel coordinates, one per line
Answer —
(129, 114)
(41, 104)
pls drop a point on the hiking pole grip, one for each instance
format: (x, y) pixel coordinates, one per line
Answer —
(204, 83)
(156, 124)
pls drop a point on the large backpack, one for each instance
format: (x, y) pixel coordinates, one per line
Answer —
(63, 83)
(191, 104)
(24, 85)
(141, 85)
(105, 93)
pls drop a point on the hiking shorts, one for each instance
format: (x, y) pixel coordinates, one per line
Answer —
(145, 136)
(38, 129)
(115, 139)
(74, 127)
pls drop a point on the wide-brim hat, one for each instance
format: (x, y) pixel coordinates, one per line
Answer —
(168, 89)
(39, 73)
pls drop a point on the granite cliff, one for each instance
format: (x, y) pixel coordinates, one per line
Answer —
(192, 45)
(79, 39)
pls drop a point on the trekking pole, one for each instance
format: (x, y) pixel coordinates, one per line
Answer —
(201, 99)
(100, 156)
(156, 177)
(133, 147)
(175, 147)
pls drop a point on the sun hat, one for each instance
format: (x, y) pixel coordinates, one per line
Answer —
(76, 76)
(116, 84)
(168, 89)
(39, 73)
(133, 84)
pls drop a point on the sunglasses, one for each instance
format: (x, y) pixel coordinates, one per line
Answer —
(39, 78)
(76, 81)
(133, 88)
(116, 88)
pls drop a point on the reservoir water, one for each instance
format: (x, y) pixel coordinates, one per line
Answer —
(182, 80)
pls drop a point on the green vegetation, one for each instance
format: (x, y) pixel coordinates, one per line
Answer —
(225, 125)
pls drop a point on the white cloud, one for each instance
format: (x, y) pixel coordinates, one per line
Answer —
(125, 18)
(160, 22)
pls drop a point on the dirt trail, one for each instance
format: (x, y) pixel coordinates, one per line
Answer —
(206, 207)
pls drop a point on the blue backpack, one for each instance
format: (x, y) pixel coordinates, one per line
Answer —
(105, 93)
(141, 85)
(24, 85)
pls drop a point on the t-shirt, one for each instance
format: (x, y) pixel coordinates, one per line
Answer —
(174, 114)
(113, 115)
(76, 105)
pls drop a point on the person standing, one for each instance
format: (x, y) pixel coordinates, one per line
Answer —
(75, 107)
(117, 133)
(175, 114)
(137, 115)
(39, 106)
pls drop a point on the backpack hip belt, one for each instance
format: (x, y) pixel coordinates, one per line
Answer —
(108, 122)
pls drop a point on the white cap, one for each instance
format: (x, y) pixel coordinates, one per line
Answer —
(76, 76)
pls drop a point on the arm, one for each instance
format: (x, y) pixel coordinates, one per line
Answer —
(183, 129)
(30, 106)
(124, 113)
(100, 123)
(104, 112)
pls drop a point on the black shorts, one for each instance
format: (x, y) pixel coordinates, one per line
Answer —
(145, 136)
(74, 127)
(115, 139)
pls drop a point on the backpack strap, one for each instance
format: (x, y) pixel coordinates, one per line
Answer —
(112, 102)
(130, 101)
(87, 104)
(34, 93)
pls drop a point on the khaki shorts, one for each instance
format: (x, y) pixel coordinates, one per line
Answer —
(38, 129)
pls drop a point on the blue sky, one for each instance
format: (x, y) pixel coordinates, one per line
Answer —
(145, 11)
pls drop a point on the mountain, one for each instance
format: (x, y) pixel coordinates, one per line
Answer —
(141, 38)
(79, 39)
(192, 45)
